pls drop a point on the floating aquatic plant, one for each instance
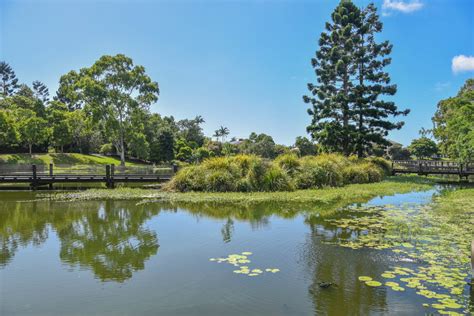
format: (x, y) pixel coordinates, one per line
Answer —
(435, 238)
(237, 259)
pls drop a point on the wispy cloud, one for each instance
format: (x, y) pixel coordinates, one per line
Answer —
(401, 6)
(441, 86)
(462, 63)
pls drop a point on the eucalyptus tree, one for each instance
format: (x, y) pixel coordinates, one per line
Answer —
(111, 90)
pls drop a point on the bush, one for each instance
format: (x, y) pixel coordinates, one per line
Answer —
(106, 149)
(276, 179)
(288, 162)
(355, 174)
(384, 164)
(249, 173)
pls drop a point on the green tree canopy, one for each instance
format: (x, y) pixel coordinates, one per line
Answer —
(454, 124)
(111, 90)
(423, 147)
(9, 81)
(347, 112)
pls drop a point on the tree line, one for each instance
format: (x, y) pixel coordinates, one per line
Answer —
(106, 108)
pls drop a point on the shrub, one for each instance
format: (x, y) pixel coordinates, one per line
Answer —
(106, 149)
(355, 173)
(288, 162)
(311, 175)
(363, 172)
(276, 179)
(248, 173)
(220, 181)
(382, 163)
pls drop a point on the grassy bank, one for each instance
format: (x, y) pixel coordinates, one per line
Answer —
(73, 158)
(248, 173)
(348, 194)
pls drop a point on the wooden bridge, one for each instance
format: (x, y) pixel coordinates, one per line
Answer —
(39, 175)
(438, 167)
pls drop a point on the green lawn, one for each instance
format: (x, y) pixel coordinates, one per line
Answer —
(74, 159)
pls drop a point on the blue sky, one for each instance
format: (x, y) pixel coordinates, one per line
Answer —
(241, 64)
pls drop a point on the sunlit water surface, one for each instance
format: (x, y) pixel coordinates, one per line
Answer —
(120, 257)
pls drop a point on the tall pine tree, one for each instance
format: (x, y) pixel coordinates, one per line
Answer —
(347, 114)
(371, 113)
(331, 96)
(9, 81)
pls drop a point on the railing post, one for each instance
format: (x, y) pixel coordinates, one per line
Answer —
(51, 175)
(107, 176)
(112, 174)
(35, 177)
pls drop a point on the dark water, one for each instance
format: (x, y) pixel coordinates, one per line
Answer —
(120, 258)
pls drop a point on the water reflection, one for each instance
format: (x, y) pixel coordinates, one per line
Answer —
(106, 237)
(109, 237)
(114, 239)
(340, 266)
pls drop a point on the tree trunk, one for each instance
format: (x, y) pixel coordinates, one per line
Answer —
(62, 149)
(122, 150)
(29, 146)
(345, 115)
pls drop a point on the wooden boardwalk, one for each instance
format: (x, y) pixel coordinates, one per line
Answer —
(40, 175)
(436, 167)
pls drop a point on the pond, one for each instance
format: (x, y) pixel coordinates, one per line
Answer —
(132, 257)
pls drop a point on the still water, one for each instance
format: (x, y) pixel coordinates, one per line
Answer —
(130, 258)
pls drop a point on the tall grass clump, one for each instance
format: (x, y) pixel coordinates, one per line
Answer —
(249, 173)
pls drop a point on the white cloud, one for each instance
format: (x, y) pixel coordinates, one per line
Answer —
(462, 63)
(401, 6)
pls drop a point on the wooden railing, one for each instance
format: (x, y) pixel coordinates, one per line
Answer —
(37, 175)
(433, 167)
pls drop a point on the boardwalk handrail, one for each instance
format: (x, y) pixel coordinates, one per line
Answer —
(37, 175)
(425, 167)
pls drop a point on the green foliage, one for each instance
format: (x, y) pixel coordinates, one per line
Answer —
(113, 89)
(305, 146)
(384, 164)
(261, 145)
(107, 149)
(184, 153)
(9, 82)
(348, 115)
(33, 130)
(191, 131)
(397, 152)
(454, 124)
(288, 162)
(9, 134)
(162, 147)
(423, 147)
(249, 173)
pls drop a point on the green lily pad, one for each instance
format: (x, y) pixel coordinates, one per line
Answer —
(365, 278)
(373, 283)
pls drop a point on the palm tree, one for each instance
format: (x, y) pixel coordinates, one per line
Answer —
(217, 134)
(224, 132)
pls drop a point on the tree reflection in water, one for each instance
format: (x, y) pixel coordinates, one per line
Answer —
(342, 266)
(108, 238)
(111, 241)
